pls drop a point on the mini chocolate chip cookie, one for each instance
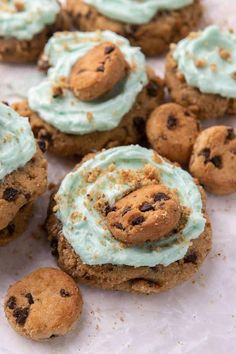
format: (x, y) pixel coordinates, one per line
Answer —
(213, 160)
(147, 214)
(172, 131)
(44, 304)
(98, 72)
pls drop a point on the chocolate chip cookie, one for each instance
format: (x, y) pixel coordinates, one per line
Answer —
(213, 160)
(43, 305)
(172, 131)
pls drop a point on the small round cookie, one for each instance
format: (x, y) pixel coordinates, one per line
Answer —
(172, 131)
(200, 73)
(150, 213)
(23, 173)
(45, 304)
(97, 72)
(25, 27)
(73, 126)
(213, 160)
(82, 210)
(147, 25)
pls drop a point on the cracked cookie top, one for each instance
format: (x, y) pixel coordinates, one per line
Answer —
(92, 199)
(109, 89)
(22, 19)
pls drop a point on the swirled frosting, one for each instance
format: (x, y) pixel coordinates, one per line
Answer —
(29, 20)
(133, 11)
(208, 61)
(86, 229)
(17, 144)
(67, 113)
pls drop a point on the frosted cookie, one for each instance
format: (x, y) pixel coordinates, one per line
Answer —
(126, 219)
(213, 160)
(172, 131)
(200, 73)
(25, 27)
(98, 93)
(23, 173)
(151, 25)
(45, 304)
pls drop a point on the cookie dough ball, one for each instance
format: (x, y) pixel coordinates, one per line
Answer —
(172, 131)
(214, 160)
(44, 304)
(147, 214)
(97, 72)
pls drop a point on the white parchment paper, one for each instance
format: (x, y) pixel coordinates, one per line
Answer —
(198, 317)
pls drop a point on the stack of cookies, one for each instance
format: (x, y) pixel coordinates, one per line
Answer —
(132, 214)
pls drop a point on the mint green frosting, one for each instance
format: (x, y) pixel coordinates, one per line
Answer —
(67, 113)
(17, 144)
(135, 11)
(86, 229)
(24, 24)
(218, 74)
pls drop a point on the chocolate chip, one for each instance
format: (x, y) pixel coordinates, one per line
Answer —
(138, 220)
(160, 196)
(30, 298)
(11, 228)
(152, 88)
(119, 226)
(139, 124)
(109, 209)
(27, 195)
(53, 336)
(230, 134)
(88, 14)
(64, 293)
(191, 258)
(54, 247)
(146, 207)
(100, 68)
(42, 145)
(44, 135)
(5, 102)
(171, 122)
(10, 194)
(11, 303)
(131, 29)
(217, 161)
(205, 152)
(125, 211)
(109, 50)
(21, 314)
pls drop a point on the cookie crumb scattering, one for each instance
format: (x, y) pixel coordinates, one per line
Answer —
(29, 304)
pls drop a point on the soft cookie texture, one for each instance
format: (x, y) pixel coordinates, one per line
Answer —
(203, 105)
(147, 214)
(98, 72)
(13, 50)
(45, 304)
(154, 37)
(130, 130)
(172, 131)
(214, 160)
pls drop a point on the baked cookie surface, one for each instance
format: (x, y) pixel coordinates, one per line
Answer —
(214, 159)
(172, 131)
(44, 304)
(151, 27)
(77, 126)
(25, 27)
(203, 80)
(137, 181)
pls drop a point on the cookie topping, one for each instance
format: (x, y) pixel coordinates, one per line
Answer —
(119, 226)
(109, 50)
(171, 122)
(30, 298)
(64, 293)
(230, 134)
(206, 153)
(217, 161)
(11, 303)
(10, 194)
(161, 197)
(11, 228)
(21, 314)
(152, 89)
(138, 220)
(146, 207)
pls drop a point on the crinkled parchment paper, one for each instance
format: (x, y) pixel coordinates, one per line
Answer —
(198, 317)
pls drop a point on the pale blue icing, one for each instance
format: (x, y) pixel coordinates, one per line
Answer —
(217, 76)
(135, 11)
(67, 113)
(17, 144)
(24, 24)
(87, 233)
